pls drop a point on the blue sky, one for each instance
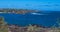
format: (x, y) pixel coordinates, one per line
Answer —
(52, 5)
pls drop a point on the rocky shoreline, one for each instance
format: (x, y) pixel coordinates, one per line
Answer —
(32, 28)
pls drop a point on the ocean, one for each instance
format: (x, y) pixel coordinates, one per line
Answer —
(44, 18)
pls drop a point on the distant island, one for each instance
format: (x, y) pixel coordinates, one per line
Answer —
(17, 11)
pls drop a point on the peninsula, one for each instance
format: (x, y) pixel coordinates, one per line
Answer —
(17, 11)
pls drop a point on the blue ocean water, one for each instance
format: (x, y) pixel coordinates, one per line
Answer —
(23, 20)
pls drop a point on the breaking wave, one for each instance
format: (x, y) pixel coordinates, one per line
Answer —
(37, 14)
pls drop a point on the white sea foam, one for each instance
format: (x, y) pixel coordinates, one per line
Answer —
(37, 14)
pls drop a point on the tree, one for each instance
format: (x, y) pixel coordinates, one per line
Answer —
(3, 25)
(58, 22)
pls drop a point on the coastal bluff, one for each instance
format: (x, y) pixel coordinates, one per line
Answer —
(17, 11)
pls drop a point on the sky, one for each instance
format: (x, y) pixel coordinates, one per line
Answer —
(50, 5)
